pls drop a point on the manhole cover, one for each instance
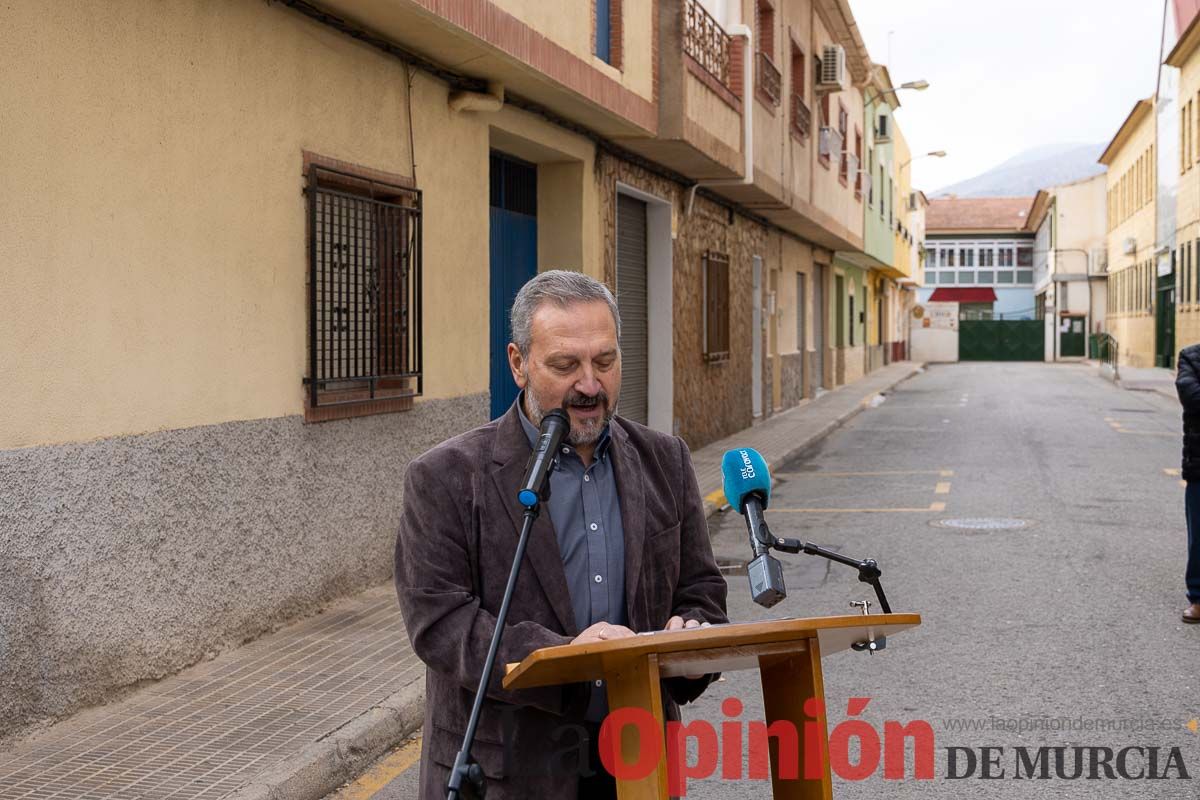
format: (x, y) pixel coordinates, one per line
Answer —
(981, 523)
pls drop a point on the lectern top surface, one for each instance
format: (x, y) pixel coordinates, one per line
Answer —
(718, 648)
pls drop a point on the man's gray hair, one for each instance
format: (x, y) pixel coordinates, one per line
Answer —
(563, 288)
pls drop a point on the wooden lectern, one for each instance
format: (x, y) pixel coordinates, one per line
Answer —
(786, 652)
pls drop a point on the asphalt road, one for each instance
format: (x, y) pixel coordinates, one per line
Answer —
(1064, 632)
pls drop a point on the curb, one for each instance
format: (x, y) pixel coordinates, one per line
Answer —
(711, 508)
(343, 753)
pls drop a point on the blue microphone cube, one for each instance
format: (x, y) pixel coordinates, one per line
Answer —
(745, 472)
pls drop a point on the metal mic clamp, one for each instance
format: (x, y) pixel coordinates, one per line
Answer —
(868, 569)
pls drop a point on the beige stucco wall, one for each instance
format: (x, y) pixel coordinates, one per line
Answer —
(713, 114)
(1187, 214)
(1133, 330)
(797, 258)
(574, 31)
(1081, 223)
(828, 193)
(161, 261)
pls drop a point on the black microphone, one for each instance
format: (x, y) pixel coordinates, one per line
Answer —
(748, 490)
(555, 427)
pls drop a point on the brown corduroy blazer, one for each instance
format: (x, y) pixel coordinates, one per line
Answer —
(457, 538)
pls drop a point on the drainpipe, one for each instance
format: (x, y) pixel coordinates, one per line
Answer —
(491, 100)
(740, 29)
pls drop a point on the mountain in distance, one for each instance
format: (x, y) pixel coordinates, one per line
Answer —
(1037, 168)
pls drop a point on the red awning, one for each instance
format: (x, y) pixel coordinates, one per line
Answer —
(981, 294)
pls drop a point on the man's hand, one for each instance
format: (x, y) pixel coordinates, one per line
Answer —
(678, 623)
(602, 631)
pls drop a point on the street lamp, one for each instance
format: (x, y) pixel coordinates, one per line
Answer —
(931, 154)
(916, 86)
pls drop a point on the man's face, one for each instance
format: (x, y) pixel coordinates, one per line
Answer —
(574, 364)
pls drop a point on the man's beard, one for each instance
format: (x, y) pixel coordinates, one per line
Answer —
(583, 432)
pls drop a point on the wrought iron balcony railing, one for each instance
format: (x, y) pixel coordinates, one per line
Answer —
(801, 117)
(770, 79)
(706, 41)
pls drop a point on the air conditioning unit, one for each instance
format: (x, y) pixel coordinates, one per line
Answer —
(829, 142)
(912, 201)
(883, 131)
(834, 76)
(865, 177)
(1099, 261)
(1129, 246)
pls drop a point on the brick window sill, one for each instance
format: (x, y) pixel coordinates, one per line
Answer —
(343, 408)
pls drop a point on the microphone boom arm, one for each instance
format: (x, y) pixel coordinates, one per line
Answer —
(868, 569)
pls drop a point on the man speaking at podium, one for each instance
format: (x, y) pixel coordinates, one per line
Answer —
(621, 547)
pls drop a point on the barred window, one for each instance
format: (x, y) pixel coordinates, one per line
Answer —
(364, 298)
(716, 306)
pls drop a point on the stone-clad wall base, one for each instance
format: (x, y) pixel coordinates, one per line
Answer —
(131, 558)
(792, 383)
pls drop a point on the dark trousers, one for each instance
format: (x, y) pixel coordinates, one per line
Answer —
(601, 785)
(1192, 573)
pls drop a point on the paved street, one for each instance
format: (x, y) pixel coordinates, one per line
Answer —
(1074, 617)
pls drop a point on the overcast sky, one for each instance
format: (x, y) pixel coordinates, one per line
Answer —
(1008, 76)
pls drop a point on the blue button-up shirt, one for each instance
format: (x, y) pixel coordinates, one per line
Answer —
(586, 513)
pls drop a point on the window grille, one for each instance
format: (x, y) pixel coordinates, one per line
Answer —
(364, 289)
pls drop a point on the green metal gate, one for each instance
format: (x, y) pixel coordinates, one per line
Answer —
(1001, 340)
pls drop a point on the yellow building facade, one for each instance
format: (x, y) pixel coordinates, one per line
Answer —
(1186, 57)
(1130, 202)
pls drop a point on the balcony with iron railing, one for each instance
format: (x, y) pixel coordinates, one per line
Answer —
(769, 80)
(707, 42)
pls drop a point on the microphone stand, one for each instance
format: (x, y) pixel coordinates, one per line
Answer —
(465, 769)
(868, 570)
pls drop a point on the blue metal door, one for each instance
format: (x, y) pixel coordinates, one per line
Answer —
(513, 244)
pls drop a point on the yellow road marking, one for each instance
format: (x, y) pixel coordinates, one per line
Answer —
(717, 498)
(946, 473)
(1170, 471)
(943, 487)
(932, 507)
(941, 472)
(383, 773)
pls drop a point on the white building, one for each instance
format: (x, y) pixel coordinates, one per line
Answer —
(1070, 264)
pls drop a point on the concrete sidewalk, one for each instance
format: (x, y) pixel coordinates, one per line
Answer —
(1148, 379)
(1142, 379)
(296, 713)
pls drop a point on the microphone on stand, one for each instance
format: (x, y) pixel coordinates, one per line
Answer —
(748, 490)
(555, 427)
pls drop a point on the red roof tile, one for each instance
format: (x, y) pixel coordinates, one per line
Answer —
(977, 213)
